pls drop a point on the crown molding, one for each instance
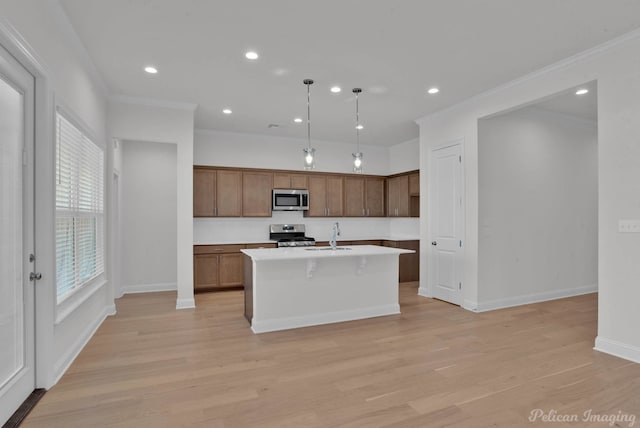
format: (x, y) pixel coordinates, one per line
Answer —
(151, 102)
(559, 65)
(61, 18)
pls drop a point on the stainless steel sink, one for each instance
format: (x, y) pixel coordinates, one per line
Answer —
(327, 248)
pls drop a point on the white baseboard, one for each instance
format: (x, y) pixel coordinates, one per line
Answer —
(149, 288)
(263, 326)
(422, 291)
(470, 305)
(618, 349)
(188, 303)
(63, 364)
(527, 299)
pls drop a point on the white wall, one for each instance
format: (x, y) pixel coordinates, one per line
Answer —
(39, 36)
(145, 120)
(219, 148)
(148, 216)
(616, 67)
(404, 156)
(538, 205)
(262, 151)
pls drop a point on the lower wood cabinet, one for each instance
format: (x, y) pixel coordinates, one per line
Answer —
(220, 267)
(409, 263)
(205, 271)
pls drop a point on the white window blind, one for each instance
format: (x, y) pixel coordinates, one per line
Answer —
(79, 208)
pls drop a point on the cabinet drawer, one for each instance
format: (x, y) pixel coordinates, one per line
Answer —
(265, 245)
(218, 249)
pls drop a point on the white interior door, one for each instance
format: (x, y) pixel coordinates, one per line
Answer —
(17, 343)
(446, 209)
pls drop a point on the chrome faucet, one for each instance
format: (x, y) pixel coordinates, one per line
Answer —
(335, 232)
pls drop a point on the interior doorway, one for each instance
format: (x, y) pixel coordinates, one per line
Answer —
(538, 200)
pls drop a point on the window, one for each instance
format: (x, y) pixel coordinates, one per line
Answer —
(79, 208)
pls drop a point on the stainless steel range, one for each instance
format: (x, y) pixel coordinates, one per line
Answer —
(290, 235)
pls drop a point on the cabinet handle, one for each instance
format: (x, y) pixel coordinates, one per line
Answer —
(363, 212)
(328, 211)
(368, 212)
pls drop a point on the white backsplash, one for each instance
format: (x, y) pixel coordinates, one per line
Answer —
(246, 229)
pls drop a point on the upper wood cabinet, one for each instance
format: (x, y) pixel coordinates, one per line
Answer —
(289, 181)
(398, 196)
(364, 197)
(325, 196)
(229, 193)
(247, 192)
(256, 194)
(217, 193)
(414, 184)
(204, 193)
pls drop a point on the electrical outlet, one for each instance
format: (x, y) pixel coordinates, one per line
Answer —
(629, 226)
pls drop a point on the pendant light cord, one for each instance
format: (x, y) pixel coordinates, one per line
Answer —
(357, 125)
(308, 82)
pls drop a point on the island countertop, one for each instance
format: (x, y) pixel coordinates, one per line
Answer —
(302, 253)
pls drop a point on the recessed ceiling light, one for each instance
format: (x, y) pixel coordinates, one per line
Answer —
(359, 127)
(227, 111)
(336, 89)
(433, 90)
(251, 55)
(297, 120)
(582, 91)
(151, 69)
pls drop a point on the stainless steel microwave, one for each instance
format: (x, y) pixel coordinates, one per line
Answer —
(290, 200)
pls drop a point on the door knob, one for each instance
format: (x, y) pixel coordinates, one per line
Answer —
(434, 243)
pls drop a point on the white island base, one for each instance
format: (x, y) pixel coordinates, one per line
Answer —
(297, 287)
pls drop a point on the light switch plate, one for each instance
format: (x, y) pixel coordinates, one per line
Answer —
(629, 226)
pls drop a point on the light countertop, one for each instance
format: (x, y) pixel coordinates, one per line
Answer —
(265, 241)
(321, 252)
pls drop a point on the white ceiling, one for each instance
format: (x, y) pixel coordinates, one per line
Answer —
(394, 50)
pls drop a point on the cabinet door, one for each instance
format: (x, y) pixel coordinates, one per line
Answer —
(231, 270)
(392, 197)
(205, 271)
(317, 197)
(229, 193)
(354, 205)
(298, 181)
(204, 193)
(335, 196)
(281, 181)
(414, 184)
(374, 197)
(256, 194)
(403, 195)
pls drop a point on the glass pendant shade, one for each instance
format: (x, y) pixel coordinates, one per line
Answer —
(309, 157)
(357, 162)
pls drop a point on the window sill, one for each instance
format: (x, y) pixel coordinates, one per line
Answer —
(74, 301)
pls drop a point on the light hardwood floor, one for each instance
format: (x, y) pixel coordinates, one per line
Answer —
(434, 365)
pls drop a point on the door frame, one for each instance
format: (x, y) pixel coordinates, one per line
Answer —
(45, 295)
(429, 291)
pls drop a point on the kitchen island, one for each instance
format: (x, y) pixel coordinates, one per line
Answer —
(298, 287)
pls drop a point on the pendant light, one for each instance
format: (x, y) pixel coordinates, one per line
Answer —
(309, 152)
(357, 156)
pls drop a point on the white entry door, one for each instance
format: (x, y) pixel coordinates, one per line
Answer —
(446, 217)
(17, 350)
